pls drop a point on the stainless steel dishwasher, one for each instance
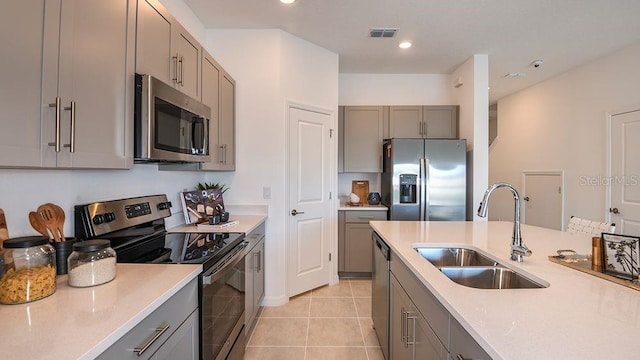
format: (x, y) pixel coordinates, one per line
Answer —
(380, 292)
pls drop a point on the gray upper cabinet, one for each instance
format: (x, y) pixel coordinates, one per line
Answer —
(440, 122)
(227, 128)
(166, 50)
(430, 122)
(219, 93)
(405, 122)
(70, 105)
(363, 132)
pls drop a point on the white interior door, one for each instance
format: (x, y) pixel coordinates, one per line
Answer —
(542, 195)
(309, 203)
(625, 173)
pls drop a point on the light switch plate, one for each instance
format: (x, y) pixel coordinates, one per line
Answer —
(266, 192)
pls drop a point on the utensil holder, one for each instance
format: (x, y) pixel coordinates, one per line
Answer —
(63, 250)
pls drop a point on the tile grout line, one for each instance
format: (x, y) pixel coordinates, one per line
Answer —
(306, 339)
(364, 343)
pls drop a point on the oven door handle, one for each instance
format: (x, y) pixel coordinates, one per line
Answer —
(231, 260)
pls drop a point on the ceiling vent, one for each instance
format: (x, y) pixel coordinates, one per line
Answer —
(382, 33)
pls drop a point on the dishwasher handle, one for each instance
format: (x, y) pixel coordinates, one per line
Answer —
(382, 247)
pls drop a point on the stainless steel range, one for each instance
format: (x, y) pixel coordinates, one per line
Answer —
(137, 232)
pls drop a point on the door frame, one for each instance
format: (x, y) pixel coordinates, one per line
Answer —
(544, 172)
(333, 183)
(608, 153)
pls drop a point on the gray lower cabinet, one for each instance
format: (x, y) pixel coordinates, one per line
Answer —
(415, 338)
(170, 332)
(355, 248)
(463, 346)
(254, 277)
(421, 327)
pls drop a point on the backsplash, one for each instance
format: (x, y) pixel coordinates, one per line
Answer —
(23, 190)
(345, 179)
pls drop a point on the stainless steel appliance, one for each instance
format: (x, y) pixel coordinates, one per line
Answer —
(136, 229)
(380, 292)
(424, 179)
(169, 126)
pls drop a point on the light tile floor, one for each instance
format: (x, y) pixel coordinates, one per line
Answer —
(331, 322)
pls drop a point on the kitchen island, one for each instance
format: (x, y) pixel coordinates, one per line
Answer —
(80, 323)
(578, 316)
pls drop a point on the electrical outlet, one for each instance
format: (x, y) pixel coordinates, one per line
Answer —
(266, 192)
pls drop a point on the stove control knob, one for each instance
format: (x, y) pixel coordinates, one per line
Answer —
(164, 205)
(109, 217)
(98, 219)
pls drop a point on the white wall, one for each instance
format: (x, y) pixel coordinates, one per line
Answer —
(395, 89)
(560, 124)
(473, 97)
(271, 68)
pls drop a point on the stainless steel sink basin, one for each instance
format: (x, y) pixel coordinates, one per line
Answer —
(446, 256)
(489, 277)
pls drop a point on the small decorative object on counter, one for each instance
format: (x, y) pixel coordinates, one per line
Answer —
(92, 262)
(30, 264)
(621, 256)
(373, 198)
(596, 252)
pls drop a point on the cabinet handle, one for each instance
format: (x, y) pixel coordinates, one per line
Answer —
(365, 217)
(460, 357)
(420, 127)
(175, 69)
(220, 155)
(58, 107)
(159, 331)
(424, 128)
(181, 71)
(72, 133)
(256, 261)
(403, 327)
(411, 338)
(225, 154)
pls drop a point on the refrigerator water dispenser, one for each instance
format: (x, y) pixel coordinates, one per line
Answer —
(408, 183)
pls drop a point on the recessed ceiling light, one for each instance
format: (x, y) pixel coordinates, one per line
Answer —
(404, 45)
(287, 1)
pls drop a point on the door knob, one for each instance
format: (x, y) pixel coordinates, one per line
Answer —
(526, 198)
(295, 212)
(614, 211)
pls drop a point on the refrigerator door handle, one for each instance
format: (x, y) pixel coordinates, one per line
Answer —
(424, 173)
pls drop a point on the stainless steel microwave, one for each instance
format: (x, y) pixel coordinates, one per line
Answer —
(169, 125)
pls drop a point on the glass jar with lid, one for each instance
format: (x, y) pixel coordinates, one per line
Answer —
(92, 262)
(30, 270)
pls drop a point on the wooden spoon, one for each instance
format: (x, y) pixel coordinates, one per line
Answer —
(38, 224)
(50, 218)
(61, 218)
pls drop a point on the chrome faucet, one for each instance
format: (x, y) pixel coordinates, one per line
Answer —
(518, 248)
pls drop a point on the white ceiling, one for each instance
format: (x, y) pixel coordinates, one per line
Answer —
(564, 33)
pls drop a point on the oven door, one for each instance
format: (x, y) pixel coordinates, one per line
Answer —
(222, 307)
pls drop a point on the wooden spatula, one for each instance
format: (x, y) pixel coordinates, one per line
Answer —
(37, 223)
(4, 233)
(50, 218)
(61, 217)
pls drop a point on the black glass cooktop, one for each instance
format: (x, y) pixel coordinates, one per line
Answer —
(181, 248)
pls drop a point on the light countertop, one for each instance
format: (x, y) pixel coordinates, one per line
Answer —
(367, 207)
(579, 316)
(80, 323)
(246, 224)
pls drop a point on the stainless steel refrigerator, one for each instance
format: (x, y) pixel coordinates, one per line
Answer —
(424, 179)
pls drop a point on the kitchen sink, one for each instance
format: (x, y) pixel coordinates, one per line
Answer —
(454, 257)
(474, 269)
(489, 277)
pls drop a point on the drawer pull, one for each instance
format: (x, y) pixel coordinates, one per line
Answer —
(460, 357)
(159, 331)
(365, 217)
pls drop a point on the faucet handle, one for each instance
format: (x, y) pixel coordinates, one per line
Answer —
(518, 251)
